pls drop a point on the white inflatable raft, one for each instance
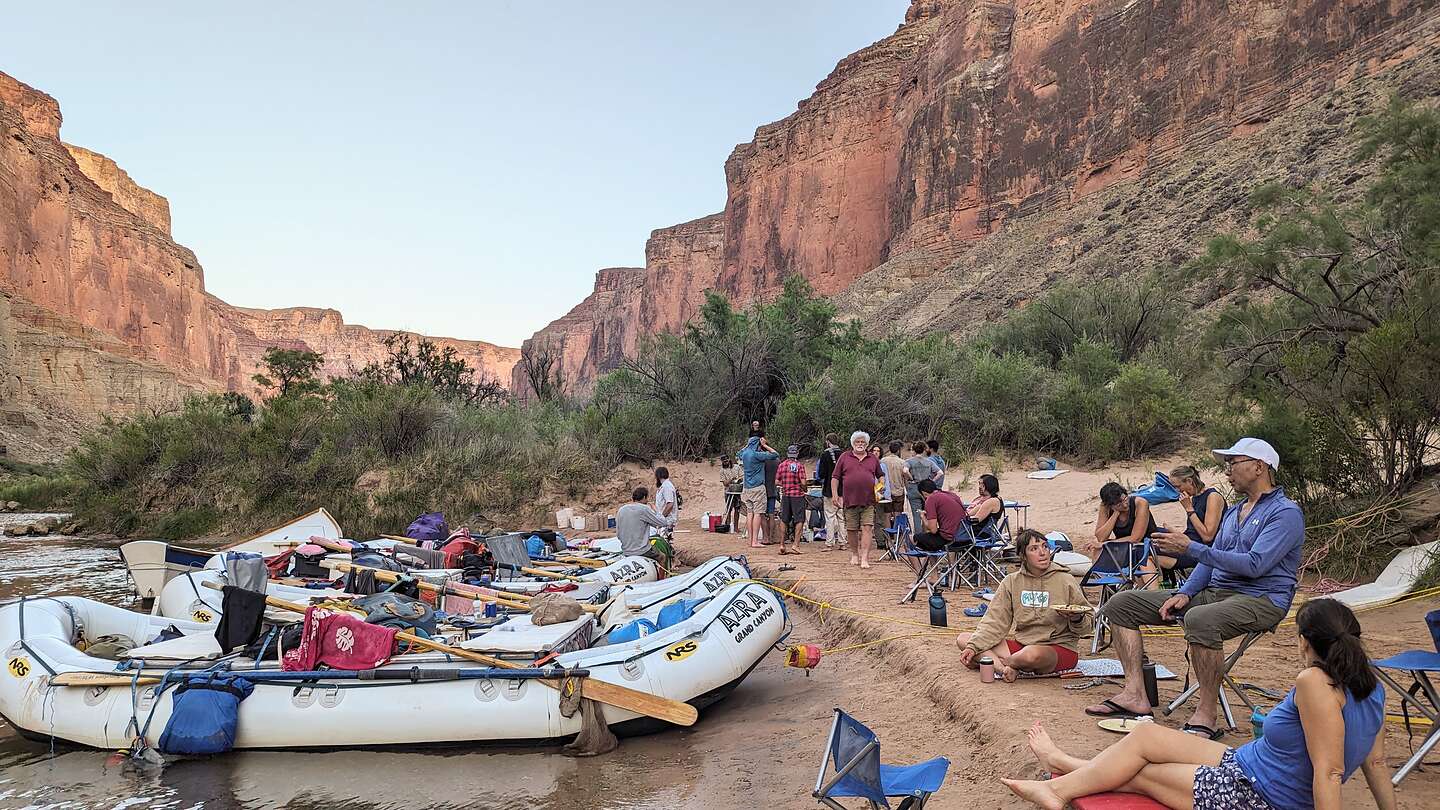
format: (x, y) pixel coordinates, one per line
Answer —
(697, 660)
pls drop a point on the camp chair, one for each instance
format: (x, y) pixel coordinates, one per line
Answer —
(928, 565)
(855, 751)
(509, 553)
(1421, 695)
(963, 562)
(897, 537)
(1115, 570)
(1225, 680)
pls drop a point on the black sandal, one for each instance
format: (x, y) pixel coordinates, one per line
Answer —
(1212, 734)
(1116, 710)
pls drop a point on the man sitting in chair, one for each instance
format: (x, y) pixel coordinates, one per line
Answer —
(1244, 583)
(944, 512)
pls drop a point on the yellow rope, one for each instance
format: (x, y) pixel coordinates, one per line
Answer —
(863, 645)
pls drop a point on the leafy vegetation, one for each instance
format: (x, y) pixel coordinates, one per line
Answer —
(1328, 346)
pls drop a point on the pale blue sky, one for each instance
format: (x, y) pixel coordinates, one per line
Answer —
(453, 168)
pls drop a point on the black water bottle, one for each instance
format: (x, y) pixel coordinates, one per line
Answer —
(1152, 687)
(937, 610)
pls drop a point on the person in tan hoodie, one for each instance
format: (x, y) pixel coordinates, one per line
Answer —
(1024, 630)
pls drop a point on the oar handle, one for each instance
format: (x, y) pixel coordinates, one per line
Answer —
(504, 600)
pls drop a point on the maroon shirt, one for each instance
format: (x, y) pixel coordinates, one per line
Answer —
(946, 509)
(857, 478)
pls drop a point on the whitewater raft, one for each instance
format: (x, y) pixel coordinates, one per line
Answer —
(698, 660)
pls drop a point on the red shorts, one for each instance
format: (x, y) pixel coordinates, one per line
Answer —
(1065, 658)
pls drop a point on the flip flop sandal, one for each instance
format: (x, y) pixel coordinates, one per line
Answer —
(1212, 734)
(977, 611)
(1116, 710)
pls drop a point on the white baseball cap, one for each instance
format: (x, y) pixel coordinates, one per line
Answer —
(1253, 448)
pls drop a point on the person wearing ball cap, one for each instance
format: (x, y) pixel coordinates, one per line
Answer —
(1243, 583)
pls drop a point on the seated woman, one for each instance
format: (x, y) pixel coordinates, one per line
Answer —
(1329, 724)
(1024, 629)
(1124, 517)
(1203, 508)
(987, 505)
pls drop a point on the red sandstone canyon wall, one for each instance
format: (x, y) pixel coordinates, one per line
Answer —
(974, 115)
(87, 263)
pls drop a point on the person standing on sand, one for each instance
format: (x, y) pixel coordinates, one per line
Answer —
(772, 500)
(667, 500)
(917, 468)
(752, 463)
(790, 477)
(933, 453)
(834, 512)
(633, 523)
(898, 480)
(856, 474)
(734, 482)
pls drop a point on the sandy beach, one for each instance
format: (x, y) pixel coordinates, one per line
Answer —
(983, 724)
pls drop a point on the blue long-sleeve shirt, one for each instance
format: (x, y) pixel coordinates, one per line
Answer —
(752, 461)
(1260, 558)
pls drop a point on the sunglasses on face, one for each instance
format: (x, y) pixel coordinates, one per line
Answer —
(1232, 462)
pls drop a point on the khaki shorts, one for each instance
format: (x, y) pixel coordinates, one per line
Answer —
(1212, 617)
(857, 516)
(754, 499)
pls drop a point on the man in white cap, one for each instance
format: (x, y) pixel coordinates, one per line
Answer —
(1244, 583)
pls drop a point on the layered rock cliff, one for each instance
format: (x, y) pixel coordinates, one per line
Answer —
(931, 159)
(105, 313)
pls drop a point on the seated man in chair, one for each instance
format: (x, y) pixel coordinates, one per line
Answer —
(1244, 583)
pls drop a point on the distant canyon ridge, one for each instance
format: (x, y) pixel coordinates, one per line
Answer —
(935, 180)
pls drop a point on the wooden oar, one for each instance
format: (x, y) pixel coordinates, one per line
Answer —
(100, 679)
(582, 561)
(540, 572)
(611, 694)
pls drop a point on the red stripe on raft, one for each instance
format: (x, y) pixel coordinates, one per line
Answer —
(1116, 801)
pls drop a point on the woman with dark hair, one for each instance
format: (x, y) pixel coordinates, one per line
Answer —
(1035, 621)
(1330, 723)
(667, 501)
(987, 501)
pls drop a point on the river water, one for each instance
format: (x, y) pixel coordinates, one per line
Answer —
(759, 746)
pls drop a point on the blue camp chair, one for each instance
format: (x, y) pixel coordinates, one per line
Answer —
(1421, 696)
(894, 537)
(964, 563)
(1116, 569)
(927, 565)
(855, 750)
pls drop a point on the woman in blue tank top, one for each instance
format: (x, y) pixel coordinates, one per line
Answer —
(1328, 725)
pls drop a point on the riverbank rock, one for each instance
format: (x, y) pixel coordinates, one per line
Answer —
(11, 506)
(17, 530)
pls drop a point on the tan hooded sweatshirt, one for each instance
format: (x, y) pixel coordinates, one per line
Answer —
(1022, 610)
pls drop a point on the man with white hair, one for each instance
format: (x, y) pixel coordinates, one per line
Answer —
(1244, 583)
(854, 483)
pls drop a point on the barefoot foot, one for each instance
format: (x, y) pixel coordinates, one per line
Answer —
(1049, 755)
(1037, 793)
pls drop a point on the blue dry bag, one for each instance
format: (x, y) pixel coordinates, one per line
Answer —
(205, 714)
(632, 631)
(677, 612)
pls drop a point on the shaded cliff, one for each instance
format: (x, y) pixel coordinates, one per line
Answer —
(87, 264)
(976, 123)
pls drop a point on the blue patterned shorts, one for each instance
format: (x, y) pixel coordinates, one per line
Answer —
(1226, 787)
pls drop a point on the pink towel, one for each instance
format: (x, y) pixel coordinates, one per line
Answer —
(340, 640)
(459, 605)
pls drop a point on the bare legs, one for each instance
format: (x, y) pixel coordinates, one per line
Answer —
(1039, 659)
(867, 541)
(1207, 663)
(754, 529)
(1128, 648)
(1153, 760)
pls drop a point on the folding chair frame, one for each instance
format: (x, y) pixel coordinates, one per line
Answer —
(930, 572)
(1127, 574)
(1225, 680)
(822, 785)
(892, 537)
(1431, 713)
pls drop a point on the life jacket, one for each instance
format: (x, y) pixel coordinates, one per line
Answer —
(458, 545)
